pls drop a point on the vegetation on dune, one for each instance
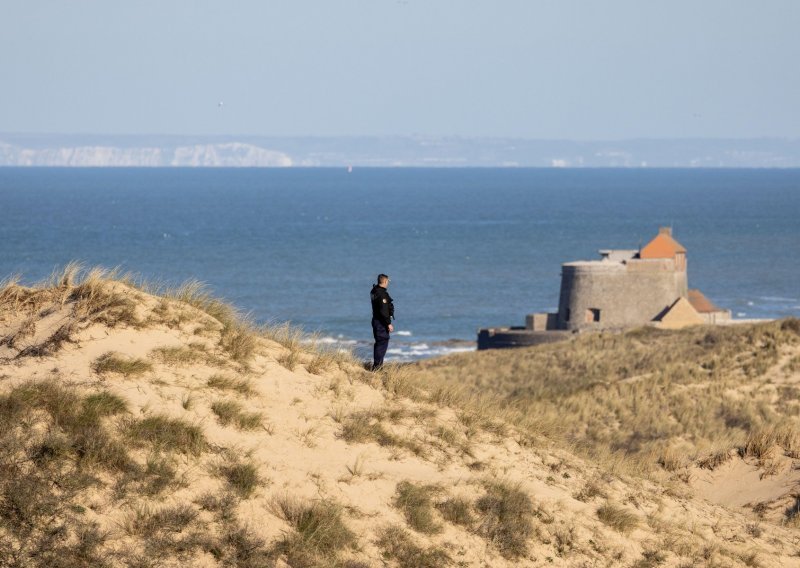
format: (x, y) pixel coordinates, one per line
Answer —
(111, 298)
(126, 366)
(397, 544)
(231, 412)
(182, 355)
(636, 392)
(89, 296)
(167, 434)
(319, 534)
(618, 518)
(222, 382)
(416, 503)
(54, 442)
(456, 510)
(667, 397)
(242, 477)
(507, 518)
(238, 336)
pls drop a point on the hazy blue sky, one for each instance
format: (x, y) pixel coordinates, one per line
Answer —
(590, 69)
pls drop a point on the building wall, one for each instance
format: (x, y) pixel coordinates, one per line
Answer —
(617, 295)
(541, 322)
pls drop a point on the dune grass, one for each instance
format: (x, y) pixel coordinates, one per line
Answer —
(320, 533)
(231, 412)
(618, 518)
(54, 443)
(226, 383)
(507, 518)
(146, 521)
(112, 362)
(166, 434)
(175, 356)
(631, 393)
(457, 510)
(397, 544)
(98, 295)
(416, 503)
(366, 426)
(104, 403)
(241, 477)
(238, 336)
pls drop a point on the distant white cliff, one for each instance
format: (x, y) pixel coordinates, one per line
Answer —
(230, 155)
(98, 150)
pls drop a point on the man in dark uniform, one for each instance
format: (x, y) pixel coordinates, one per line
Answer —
(382, 315)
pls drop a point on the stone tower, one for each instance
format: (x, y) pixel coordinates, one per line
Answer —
(625, 287)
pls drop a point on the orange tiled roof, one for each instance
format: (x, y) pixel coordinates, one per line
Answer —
(662, 246)
(701, 303)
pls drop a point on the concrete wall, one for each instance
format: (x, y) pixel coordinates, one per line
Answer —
(626, 295)
(716, 317)
(541, 322)
(507, 337)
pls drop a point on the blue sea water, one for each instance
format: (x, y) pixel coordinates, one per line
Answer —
(465, 248)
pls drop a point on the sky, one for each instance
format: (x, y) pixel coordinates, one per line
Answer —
(543, 69)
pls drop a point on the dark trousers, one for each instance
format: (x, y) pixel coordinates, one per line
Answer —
(381, 334)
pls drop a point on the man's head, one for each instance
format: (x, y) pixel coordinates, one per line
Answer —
(383, 281)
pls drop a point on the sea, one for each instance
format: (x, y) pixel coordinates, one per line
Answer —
(464, 248)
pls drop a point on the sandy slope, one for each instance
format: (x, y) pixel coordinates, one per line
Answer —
(300, 451)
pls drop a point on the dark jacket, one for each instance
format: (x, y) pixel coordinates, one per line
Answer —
(382, 306)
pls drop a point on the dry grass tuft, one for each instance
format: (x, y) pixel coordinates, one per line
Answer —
(618, 518)
(242, 477)
(158, 475)
(319, 531)
(358, 427)
(325, 357)
(112, 362)
(238, 337)
(166, 434)
(231, 412)
(457, 510)
(285, 335)
(364, 426)
(222, 382)
(715, 458)
(96, 299)
(397, 544)
(762, 441)
(104, 403)
(397, 379)
(290, 338)
(289, 360)
(591, 490)
(671, 459)
(416, 503)
(239, 340)
(147, 522)
(180, 355)
(507, 518)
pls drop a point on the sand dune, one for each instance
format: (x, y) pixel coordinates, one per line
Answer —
(162, 430)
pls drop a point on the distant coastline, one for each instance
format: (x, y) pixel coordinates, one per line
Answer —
(89, 150)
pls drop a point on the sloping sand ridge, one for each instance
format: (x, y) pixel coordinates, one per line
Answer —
(162, 430)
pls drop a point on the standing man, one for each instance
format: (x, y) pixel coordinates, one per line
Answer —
(382, 315)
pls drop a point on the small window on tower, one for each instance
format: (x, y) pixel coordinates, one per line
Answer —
(592, 315)
(566, 314)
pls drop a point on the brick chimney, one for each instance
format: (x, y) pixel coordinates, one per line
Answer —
(665, 231)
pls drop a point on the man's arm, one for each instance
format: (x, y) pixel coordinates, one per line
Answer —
(391, 312)
(386, 311)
